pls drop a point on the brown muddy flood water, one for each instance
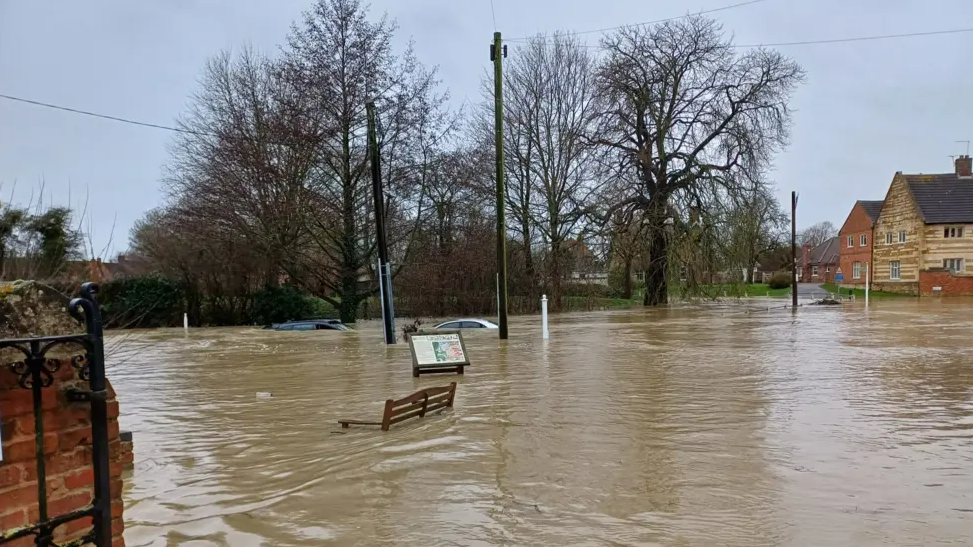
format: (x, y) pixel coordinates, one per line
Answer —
(662, 427)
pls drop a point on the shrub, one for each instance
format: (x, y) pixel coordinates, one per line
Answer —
(142, 302)
(283, 303)
(780, 281)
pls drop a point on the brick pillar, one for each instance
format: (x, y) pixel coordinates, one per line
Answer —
(67, 444)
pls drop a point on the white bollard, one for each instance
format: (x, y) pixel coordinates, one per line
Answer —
(185, 321)
(545, 334)
(866, 285)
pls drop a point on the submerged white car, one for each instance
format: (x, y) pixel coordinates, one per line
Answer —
(466, 324)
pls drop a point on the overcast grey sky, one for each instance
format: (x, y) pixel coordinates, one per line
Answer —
(869, 108)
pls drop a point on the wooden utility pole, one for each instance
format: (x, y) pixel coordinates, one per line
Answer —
(794, 249)
(497, 52)
(384, 270)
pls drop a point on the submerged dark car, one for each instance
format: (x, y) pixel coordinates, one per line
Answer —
(310, 324)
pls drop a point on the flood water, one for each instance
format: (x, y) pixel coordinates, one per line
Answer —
(692, 426)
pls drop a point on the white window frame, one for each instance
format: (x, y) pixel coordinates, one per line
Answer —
(827, 269)
(895, 270)
(948, 264)
(851, 241)
(814, 270)
(888, 238)
(863, 240)
(901, 236)
(856, 270)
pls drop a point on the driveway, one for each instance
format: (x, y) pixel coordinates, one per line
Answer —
(811, 290)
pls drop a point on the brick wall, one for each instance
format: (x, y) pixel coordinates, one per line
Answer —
(901, 287)
(857, 224)
(952, 285)
(70, 476)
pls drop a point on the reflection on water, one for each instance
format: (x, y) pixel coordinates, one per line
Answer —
(716, 426)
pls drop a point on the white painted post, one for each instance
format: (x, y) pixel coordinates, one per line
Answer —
(866, 285)
(498, 298)
(544, 332)
(185, 321)
(381, 289)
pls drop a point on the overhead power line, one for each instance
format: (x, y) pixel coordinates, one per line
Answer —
(859, 38)
(703, 12)
(95, 114)
(837, 40)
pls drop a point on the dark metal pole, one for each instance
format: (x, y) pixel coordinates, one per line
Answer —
(497, 57)
(794, 249)
(99, 414)
(383, 252)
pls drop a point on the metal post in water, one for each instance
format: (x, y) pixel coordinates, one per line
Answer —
(391, 299)
(185, 321)
(381, 295)
(866, 285)
(545, 334)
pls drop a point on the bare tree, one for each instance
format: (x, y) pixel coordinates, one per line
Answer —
(817, 234)
(685, 114)
(338, 60)
(549, 100)
(755, 226)
(243, 158)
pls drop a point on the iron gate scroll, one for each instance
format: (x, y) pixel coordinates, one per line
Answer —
(36, 372)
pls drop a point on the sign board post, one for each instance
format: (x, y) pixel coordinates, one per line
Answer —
(838, 278)
(438, 352)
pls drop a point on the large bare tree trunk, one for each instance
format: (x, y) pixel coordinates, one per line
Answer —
(656, 286)
(627, 282)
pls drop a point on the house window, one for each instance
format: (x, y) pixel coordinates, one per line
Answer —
(856, 270)
(851, 241)
(814, 271)
(954, 265)
(895, 270)
(863, 240)
(901, 236)
(953, 232)
(827, 269)
(888, 238)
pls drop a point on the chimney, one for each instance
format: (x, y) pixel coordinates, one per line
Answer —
(964, 167)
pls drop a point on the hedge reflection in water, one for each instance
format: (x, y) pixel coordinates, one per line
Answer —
(694, 426)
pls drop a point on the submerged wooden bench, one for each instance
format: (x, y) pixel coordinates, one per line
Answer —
(413, 406)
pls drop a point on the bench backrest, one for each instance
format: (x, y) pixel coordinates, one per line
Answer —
(418, 404)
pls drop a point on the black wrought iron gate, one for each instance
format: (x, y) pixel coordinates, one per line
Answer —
(36, 372)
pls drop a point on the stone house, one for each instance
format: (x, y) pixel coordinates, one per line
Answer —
(819, 264)
(925, 234)
(857, 238)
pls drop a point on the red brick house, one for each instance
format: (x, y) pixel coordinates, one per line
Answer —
(819, 264)
(857, 239)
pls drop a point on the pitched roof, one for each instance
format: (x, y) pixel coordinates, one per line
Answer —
(872, 208)
(826, 252)
(942, 199)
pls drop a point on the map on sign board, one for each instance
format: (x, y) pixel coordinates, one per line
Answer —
(444, 348)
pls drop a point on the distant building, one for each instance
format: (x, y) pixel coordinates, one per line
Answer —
(819, 264)
(857, 239)
(925, 234)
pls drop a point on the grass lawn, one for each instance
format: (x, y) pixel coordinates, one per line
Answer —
(739, 290)
(860, 293)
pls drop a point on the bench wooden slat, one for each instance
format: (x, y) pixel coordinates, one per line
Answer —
(418, 412)
(416, 405)
(443, 397)
(346, 423)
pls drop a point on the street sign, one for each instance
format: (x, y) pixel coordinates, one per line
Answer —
(839, 277)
